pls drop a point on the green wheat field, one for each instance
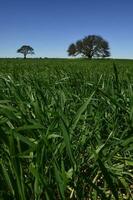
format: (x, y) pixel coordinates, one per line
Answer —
(66, 129)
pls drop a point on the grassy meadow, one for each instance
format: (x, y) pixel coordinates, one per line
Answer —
(66, 129)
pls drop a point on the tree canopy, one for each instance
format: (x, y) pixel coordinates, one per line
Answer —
(26, 49)
(91, 46)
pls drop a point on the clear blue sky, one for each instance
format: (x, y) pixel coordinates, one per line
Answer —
(49, 26)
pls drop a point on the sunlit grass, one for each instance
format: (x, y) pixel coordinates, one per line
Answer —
(66, 129)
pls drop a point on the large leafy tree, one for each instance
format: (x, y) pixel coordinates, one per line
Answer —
(90, 47)
(25, 50)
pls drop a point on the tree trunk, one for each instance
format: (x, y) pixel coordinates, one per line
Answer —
(24, 56)
(89, 56)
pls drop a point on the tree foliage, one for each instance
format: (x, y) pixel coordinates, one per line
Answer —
(25, 50)
(90, 46)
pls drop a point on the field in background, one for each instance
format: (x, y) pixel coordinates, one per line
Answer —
(66, 129)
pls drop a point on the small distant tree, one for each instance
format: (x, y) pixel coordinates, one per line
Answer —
(90, 46)
(25, 50)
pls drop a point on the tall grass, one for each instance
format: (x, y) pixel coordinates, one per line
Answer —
(66, 129)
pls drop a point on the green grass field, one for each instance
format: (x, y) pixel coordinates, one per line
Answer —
(66, 129)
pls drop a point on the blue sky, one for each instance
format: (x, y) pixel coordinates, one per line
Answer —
(49, 26)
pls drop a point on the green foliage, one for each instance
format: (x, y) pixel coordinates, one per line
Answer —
(66, 129)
